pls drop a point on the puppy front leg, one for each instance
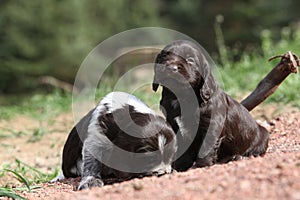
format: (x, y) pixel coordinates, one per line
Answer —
(91, 169)
(208, 153)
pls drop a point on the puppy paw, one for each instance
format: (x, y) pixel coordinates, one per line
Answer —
(238, 157)
(203, 162)
(89, 182)
(58, 178)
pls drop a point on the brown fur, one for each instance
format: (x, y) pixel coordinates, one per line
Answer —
(219, 129)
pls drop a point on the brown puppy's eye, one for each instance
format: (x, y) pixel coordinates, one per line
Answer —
(190, 60)
(180, 66)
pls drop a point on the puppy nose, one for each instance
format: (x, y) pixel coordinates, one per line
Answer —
(174, 67)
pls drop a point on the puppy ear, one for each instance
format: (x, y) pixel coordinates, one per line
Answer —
(155, 83)
(158, 60)
(155, 86)
(205, 92)
(208, 86)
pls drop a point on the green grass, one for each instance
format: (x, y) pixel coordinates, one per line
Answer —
(27, 175)
(8, 192)
(241, 77)
(38, 106)
(41, 107)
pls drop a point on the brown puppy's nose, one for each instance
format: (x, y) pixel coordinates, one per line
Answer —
(174, 67)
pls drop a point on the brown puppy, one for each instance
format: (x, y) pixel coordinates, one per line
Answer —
(211, 127)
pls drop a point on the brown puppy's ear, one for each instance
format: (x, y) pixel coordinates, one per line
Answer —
(208, 86)
(158, 60)
(205, 92)
(155, 86)
(155, 83)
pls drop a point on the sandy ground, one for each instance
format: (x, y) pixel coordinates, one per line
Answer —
(274, 176)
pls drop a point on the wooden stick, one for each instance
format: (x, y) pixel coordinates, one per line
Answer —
(288, 64)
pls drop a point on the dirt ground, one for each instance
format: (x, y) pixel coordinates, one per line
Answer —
(274, 176)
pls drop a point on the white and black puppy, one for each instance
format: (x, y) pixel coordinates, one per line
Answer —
(211, 127)
(121, 138)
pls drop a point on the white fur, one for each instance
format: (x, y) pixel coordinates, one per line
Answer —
(94, 127)
(117, 100)
(87, 180)
(98, 145)
(180, 125)
(162, 168)
(96, 137)
(78, 168)
(59, 177)
(161, 142)
(190, 60)
(96, 140)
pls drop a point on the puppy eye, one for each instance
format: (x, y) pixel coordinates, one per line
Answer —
(190, 60)
(180, 66)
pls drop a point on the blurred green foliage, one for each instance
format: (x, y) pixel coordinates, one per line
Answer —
(42, 107)
(241, 77)
(52, 37)
(244, 20)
